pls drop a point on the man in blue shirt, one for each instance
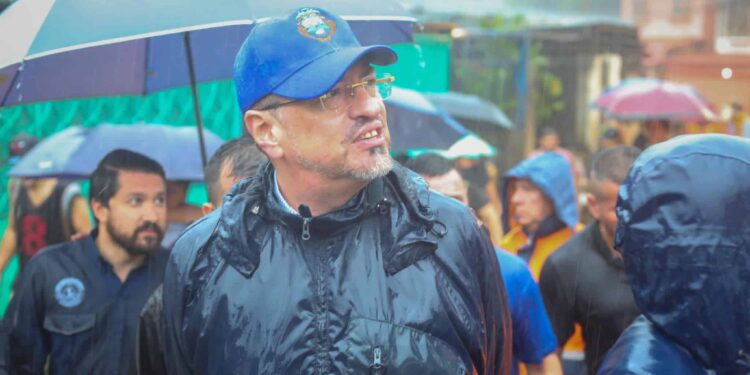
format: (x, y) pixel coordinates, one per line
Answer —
(77, 303)
(534, 342)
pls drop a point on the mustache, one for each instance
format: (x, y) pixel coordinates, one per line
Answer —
(358, 125)
(149, 225)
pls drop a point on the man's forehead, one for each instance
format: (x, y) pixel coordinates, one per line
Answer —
(135, 181)
(524, 182)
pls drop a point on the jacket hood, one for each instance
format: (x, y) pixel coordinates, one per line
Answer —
(551, 173)
(684, 232)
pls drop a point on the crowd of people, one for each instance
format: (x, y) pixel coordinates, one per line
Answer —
(317, 253)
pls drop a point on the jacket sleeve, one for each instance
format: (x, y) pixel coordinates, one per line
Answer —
(533, 330)
(175, 294)
(498, 340)
(150, 350)
(23, 324)
(559, 302)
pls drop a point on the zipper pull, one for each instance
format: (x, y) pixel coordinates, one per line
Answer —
(377, 368)
(304, 211)
(306, 228)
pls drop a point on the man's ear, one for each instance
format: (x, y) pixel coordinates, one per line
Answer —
(265, 130)
(99, 210)
(207, 208)
(593, 205)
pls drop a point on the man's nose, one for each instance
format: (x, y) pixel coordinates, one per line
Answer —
(364, 105)
(516, 197)
(151, 212)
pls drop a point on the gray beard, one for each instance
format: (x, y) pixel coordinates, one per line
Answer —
(383, 165)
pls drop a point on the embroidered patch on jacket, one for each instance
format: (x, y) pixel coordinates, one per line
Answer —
(69, 292)
(312, 24)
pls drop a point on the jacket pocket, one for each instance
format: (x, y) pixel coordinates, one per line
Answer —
(380, 348)
(71, 337)
(67, 325)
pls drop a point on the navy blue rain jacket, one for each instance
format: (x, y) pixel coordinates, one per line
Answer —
(399, 281)
(684, 232)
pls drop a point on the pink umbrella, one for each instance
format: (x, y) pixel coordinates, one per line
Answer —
(649, 99)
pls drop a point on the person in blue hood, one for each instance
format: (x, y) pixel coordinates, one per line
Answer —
(332, 259)
(683, 232)
(541, 214)
(541, 211)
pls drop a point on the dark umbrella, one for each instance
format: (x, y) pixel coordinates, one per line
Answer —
(88, 48)
(75, 151)
(470, 107)
(416, 125)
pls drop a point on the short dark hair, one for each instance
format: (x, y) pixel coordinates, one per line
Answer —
(547, 130)
(430, 164)
(104, 182)
(245, 157)
(612, 165)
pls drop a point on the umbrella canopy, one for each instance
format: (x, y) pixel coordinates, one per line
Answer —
(414, 122)
(76, 151)
(470, 146)
(647, 99)
(470, 107)
(416, 126)
(71, 49)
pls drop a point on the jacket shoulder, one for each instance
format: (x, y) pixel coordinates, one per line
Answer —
(446, 207)
(54, 254)
(573, 249)
(194, 238)
(641, 349)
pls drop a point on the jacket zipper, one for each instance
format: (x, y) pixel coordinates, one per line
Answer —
(304, 211)
(306, 228)
(377, 368)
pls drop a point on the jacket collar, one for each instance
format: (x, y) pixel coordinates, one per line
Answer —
(251, 203)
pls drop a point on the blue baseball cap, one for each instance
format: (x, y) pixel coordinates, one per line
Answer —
(299, 57)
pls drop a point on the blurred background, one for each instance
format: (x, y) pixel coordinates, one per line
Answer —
(495, 73)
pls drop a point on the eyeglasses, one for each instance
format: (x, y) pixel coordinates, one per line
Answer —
(341, 98)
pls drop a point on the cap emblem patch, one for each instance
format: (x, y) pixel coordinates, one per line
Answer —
(312, 24)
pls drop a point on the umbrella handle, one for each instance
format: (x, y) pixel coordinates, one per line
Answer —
(196, 102)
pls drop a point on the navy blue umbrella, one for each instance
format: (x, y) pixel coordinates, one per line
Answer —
(88, 48)
(75, 151)
(470, 107)
(415, 123)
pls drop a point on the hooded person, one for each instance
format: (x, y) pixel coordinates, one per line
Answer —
(683, 233)
(541, 211)
(541, 214)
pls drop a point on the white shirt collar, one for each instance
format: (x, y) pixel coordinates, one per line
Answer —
(280, 197)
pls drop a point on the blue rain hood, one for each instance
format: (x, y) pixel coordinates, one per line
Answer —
(684, 232)
(551, 173)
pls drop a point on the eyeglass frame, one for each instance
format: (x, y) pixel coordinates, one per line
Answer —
(387, 78)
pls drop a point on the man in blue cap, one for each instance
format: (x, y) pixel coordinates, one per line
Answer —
(332, 259)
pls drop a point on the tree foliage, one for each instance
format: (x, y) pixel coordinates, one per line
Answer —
(489, 68)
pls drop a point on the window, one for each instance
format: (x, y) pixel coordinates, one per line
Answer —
(640, 10)
(733, 27)
(681, 8)
(734, 18)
